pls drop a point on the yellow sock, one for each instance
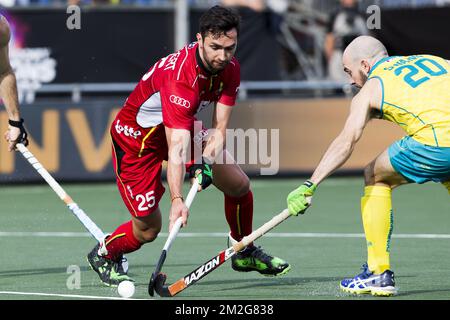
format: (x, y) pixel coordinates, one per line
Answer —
(447, 185)
(376, 209)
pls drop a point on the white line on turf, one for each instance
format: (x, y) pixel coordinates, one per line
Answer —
(221, 235)
(64, 295)
(45, 234)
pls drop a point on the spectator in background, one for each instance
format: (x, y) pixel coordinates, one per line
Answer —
(261, 21)
(7, 3)
(345, 24)
(255, 5)
(275, 9)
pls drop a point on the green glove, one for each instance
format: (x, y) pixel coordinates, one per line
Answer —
(203, 173)
(297, 200)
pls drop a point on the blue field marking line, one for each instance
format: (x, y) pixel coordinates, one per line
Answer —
(324, 235)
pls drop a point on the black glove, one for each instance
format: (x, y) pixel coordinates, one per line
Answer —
(203, 173)
(23, 136)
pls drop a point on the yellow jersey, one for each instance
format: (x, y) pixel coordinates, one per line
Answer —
(416, 95)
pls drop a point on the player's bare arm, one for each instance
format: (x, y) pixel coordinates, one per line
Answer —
(8, 90)
(6, 72)
(361, 111)
(178, 142)
(216, 142)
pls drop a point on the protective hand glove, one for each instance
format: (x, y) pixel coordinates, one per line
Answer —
(203, 174)
(300, 199)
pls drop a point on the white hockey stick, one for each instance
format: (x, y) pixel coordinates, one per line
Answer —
(90, 225)
(173, 233)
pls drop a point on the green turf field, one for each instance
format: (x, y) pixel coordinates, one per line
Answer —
(40, 239)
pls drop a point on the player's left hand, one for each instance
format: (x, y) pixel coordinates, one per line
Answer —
(203, 173)
(300, 199)
(16, 134)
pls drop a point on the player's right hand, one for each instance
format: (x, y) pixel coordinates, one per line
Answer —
(203, 173)
(300, 199)
(178, 209)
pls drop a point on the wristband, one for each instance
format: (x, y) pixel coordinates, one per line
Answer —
(308, 183)
(177, 197)
(16, 124)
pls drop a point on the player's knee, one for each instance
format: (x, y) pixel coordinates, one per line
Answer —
(147, 228)
(148, 235)
(369, 174)
(242, 188)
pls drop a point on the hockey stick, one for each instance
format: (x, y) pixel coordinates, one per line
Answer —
(90, 226)
(93, 229)
(217, 261)
(173, 233)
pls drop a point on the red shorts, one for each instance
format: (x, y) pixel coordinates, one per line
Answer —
(138, 166)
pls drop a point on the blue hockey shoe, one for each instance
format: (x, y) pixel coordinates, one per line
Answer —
(369, 283)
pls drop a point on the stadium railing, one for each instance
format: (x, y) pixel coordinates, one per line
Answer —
(315, 88)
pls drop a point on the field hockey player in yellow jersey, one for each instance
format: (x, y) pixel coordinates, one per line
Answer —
(413, 92)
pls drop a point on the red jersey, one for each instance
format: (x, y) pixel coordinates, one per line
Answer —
(173, 90)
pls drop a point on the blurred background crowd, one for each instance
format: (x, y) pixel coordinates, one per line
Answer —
(256, 4)
(311, 33)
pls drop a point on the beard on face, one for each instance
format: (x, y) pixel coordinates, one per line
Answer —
(209, 64)
(363, 78)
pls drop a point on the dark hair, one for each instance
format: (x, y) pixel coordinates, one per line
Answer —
(218, 21)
